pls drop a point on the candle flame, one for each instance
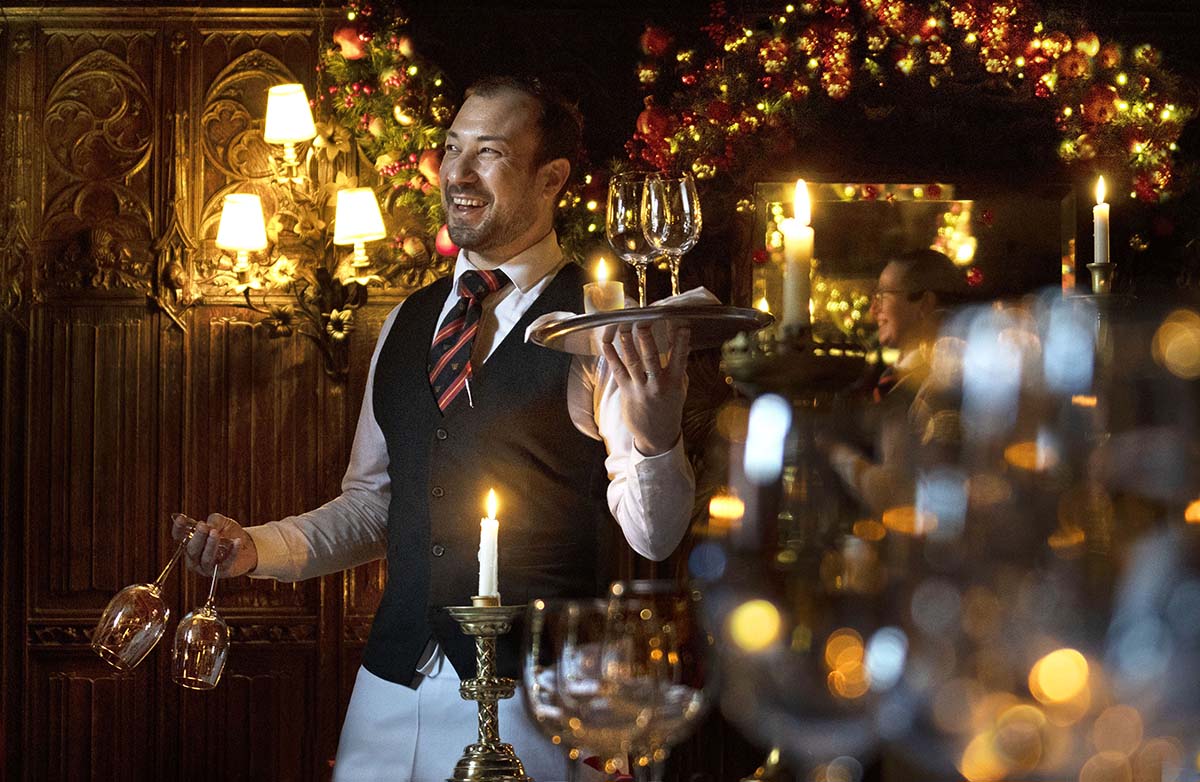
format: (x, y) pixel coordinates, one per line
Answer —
(1101, 190)
(492, 505)
(802, 206)
(762, 305)
(602, 271)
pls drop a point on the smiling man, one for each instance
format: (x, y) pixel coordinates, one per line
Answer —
(907, 306)
(456, 403)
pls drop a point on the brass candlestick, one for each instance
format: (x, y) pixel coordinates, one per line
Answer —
(487, 760)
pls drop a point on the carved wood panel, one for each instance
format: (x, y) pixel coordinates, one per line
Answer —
(106, 196)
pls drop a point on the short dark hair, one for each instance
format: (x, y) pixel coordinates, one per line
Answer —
(559, 120)
(930, 270)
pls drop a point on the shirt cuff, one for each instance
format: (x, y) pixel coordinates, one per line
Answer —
(274, 558)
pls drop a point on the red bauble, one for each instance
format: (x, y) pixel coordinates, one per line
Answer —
(349, 38)
(653, 122)
(429, 164)
(443, 243)
(655, 41)
(760, 255)
(974, 277)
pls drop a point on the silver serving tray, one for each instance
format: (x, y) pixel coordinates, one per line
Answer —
(711, 325)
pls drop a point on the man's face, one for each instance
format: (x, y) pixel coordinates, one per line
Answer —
(898, 317)
(496, 198)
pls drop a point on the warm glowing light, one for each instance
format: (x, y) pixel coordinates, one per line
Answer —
(1030, 455)
(601, 271)
(493, 505)
(1176, 344)
(1084, 400)
(843, 646)
(754, 625)
(909, 521)
(725, 512)
(762, 305)
(981, 762)
(1192, 513)
(844, 657)
(1101, 190)
(1106, 767)
(869, 530)
(802, 206)
(1059, 676)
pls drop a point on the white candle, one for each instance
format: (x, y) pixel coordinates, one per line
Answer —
(489, 568)
(797, 260)
(1100, 223)
(603, 295)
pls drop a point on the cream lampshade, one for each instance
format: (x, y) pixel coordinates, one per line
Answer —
(357, 221)
(289, 119)
(242, 228)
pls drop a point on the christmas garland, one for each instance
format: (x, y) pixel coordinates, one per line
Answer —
(711, 106)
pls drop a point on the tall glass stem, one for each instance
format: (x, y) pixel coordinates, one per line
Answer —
(640, 268)
(673, 260)
(158, 582)
(212, 588)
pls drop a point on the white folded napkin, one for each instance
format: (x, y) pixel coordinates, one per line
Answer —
(696, 296)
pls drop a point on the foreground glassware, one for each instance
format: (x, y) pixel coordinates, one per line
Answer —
(671, 218)
(136, 617)
(623, 226)
(539, 680)
(202, 639)
(677, 652)
(604, 679)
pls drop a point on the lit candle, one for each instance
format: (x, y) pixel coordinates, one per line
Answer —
(1100, 223)
(489, 532)
(604, 294)
(797, 260)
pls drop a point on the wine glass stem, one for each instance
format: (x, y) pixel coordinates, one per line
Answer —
(640, 268)
(674, 262)
(212, 588)
(158, 582)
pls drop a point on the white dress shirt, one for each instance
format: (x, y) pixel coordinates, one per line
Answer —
(649, 496)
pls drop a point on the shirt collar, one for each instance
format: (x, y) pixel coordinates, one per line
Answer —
(525, 268)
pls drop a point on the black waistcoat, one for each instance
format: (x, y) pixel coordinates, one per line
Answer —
(519, 439)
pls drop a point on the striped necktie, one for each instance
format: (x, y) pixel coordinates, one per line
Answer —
(450, 355)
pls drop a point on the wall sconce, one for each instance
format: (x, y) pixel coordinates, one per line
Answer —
(357, 221)
(289, 122)
(242, 230)
(301, 283)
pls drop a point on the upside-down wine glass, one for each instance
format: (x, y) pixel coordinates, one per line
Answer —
(539, 679)
(671, 218)
(623, 226)
(202, 638)
(136, 617)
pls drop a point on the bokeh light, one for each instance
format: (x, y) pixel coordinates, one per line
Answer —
(754, 625)
(1059, 676)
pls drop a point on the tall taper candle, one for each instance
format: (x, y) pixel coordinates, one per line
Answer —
(489, 532)
(1100, 224)
(797, 260)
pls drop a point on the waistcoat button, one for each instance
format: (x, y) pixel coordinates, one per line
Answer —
(438, 549)
(441, 433)
(438, 492)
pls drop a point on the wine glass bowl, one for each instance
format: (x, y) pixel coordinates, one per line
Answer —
(623, 226)
(130, 626)
(136, 617)
(200, 650)
(671, 218)
(202, 638)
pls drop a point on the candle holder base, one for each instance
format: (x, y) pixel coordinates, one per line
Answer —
(489, 759)
(1102, 277)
